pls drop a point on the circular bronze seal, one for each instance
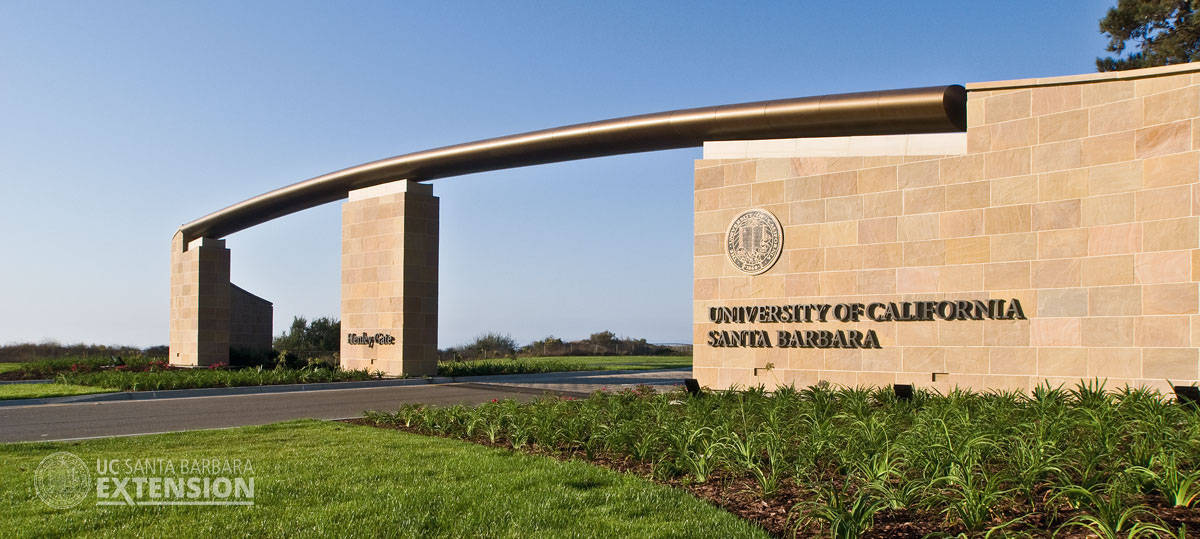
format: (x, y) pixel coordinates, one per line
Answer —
(754, 241)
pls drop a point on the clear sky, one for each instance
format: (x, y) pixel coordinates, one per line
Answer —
(119, 121)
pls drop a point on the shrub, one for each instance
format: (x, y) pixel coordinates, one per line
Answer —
(321, 335)
(487, 346)
(482, 367)
(52, 350)
(173, 378)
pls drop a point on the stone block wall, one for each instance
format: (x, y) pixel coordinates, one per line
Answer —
(389, 279)
(250, 321)
(1077, 196)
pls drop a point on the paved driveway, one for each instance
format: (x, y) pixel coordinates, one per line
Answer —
(114, 418)
(91, 419)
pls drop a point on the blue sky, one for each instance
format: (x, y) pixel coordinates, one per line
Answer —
(119, 121)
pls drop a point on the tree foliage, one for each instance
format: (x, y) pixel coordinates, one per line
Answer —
(1162, 32)
(603, 338)
(604, 343)
(321, 335)
(17, 352)
(486, 346)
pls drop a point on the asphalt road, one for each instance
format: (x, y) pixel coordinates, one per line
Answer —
(116, 418)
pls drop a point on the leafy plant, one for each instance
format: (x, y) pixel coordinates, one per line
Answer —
(1180, 488)
(845, 518)
(700, 451)
(1108, 513)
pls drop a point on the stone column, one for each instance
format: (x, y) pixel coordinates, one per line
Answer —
(200, 302)
(389, 279)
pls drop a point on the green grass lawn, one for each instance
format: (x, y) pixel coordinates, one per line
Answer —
(37, 391)
(317, 478)
(560, 364)
(617, 363)
(6, 367)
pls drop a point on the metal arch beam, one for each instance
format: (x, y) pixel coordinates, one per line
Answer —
(935, 109)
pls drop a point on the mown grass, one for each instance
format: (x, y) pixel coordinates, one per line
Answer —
(37, 391)
(1079, 460)
(156, 380)
(9, 367)
(535, 365)
(332, 479)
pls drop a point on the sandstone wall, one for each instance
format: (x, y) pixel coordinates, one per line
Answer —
(1077, 196)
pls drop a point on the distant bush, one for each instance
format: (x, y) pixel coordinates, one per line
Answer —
(321, 335)
(486, 346)
(49, 368)
(604, 343)
(481, 367)
(11, 353)
(174, 378)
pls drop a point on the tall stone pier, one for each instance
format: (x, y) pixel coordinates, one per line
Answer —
(200, 302)
(209, 315)
(389, 279)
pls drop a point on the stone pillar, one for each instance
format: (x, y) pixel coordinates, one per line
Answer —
(200, 302)
(389, 279)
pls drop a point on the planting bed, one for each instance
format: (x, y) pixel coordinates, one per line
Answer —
(854, 462)
(533, 365)
(171, 378)
(152, 374)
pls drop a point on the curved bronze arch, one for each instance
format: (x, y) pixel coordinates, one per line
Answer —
(935, 109)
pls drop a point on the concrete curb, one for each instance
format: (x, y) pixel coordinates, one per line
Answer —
(549, 377)
(42, 381)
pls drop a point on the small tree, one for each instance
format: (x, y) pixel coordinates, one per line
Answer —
(604, 338)
(491, 345)
(1163, 31)
(322, 335)
(550, 346)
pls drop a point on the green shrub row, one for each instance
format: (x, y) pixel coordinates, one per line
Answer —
(21, 352)
(480, 367)
(49, 368)
(198, 378)
(1079, 460)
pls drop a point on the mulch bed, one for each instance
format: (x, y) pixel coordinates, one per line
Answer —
(740, 496)
(19, 375)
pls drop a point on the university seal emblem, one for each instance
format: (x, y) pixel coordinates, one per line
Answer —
(62, 480)
(754, 241)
